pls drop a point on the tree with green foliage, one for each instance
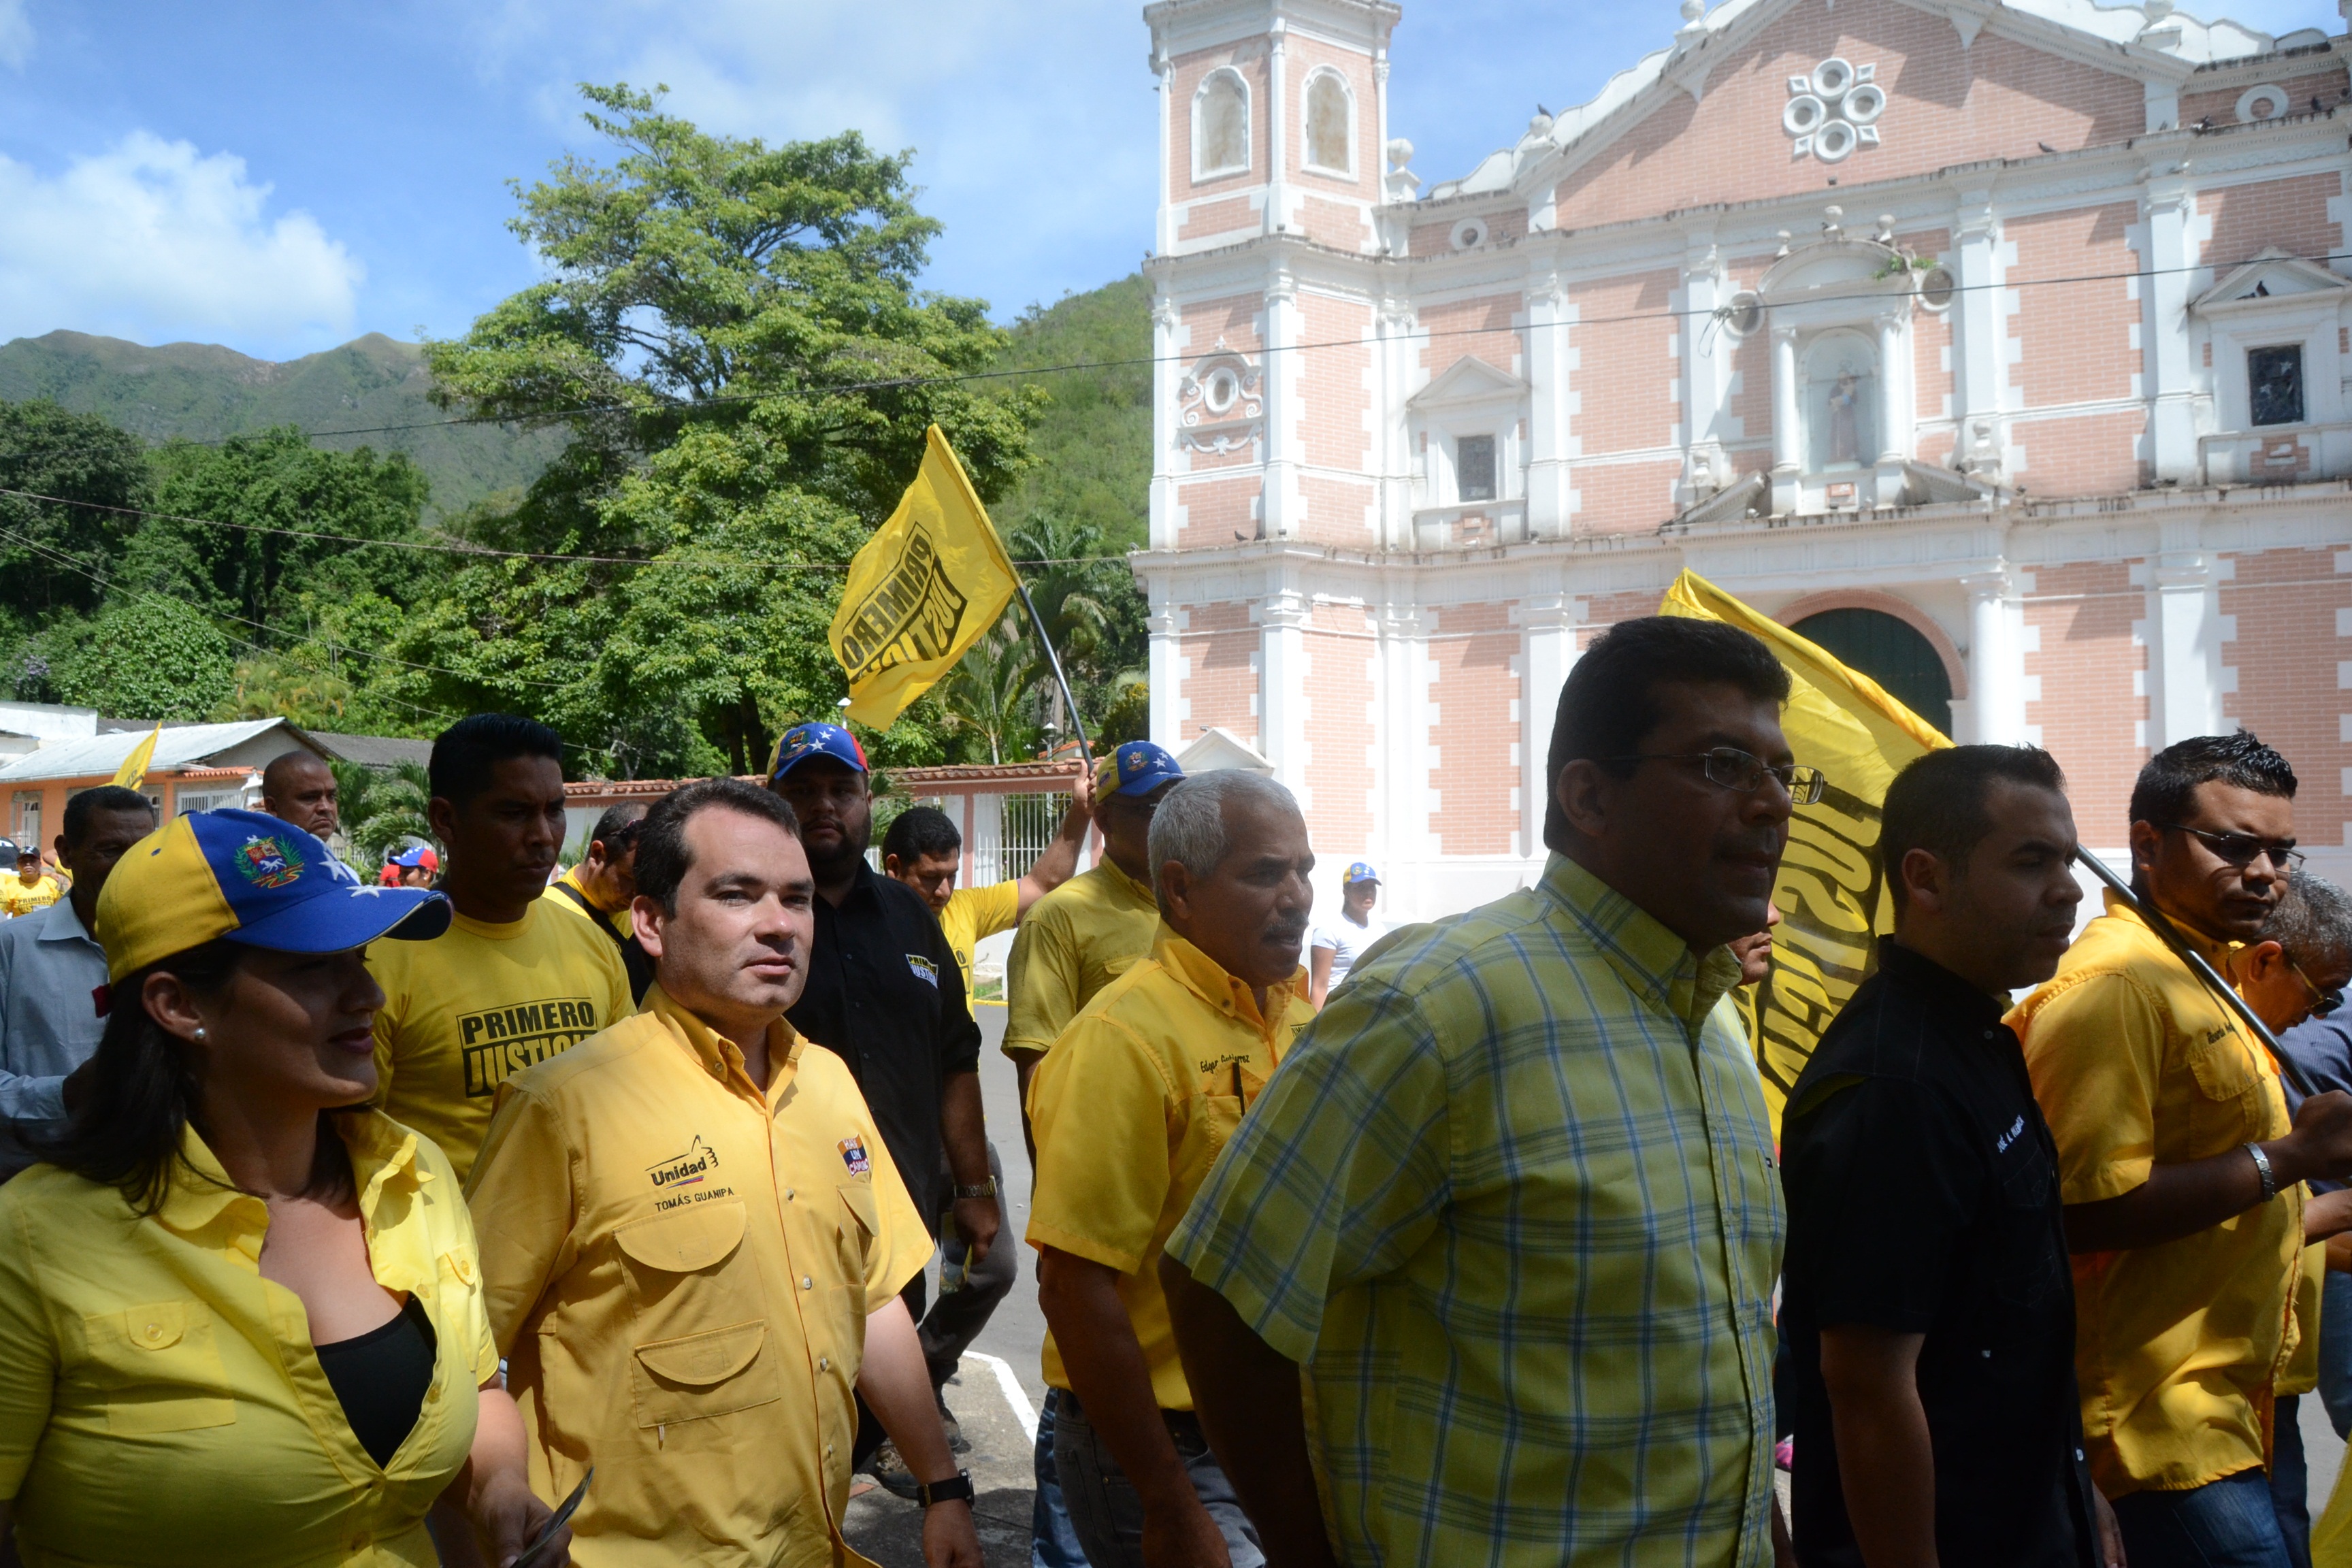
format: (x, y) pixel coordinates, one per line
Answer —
(55, 555)
(146, 657)
(732, 337)
(382, 810)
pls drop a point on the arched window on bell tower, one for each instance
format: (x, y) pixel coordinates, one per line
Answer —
(1330, 141)
(1220, 126)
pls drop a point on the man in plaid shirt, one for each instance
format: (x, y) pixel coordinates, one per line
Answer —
(1510, 1203)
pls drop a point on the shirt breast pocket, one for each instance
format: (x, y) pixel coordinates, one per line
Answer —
(2028, 1263)
(159, 1368)
(2229, 1107)
(700, 1331)
(858, 1224)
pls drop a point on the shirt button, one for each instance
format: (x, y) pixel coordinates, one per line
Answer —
(809, 1284)
(1988, 1355)
(828, 1450)
(788, 1195)
(823, 1363)
(151, 1332)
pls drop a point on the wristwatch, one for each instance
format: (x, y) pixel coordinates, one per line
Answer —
(955, 1488)
(986, 1189)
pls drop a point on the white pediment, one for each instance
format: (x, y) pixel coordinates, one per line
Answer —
(1219, 750)
(1468, 380)
(2271, 276)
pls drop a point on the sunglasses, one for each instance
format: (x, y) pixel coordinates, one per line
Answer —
(2240, 850)
(1728, 767)
(2323, 1003)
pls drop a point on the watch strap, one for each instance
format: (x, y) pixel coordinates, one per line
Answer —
(957, 1488)
(986, 1189)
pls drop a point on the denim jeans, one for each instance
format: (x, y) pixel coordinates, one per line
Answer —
(1104, 1507)
(2227, 1524)
(2291, 1482)
(967, 1295)
(1053, 1541)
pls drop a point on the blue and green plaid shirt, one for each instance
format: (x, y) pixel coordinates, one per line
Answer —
(1511, 1201)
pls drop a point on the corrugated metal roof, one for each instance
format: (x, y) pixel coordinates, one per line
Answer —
(374, 751)
(99, 755)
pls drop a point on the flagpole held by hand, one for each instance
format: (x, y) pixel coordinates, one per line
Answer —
(2205, 972)
(1085, 749)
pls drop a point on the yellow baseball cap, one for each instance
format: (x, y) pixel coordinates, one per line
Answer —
(252, 879)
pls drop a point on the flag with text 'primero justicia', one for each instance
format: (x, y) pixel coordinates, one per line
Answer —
(924, 588)
(1832, 898)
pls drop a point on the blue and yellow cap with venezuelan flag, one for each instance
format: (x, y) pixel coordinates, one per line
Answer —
(1361, 871)
(251, 879)
(1139, 767)
(802, 741)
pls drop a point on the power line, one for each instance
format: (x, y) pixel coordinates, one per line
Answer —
(896, 383)
(485, 552)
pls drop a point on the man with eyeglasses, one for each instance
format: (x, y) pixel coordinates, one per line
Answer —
(1509, 1205)
(2293, 975)
(2179, 1167)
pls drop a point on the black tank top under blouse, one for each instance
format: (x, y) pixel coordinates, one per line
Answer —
(380, 1376)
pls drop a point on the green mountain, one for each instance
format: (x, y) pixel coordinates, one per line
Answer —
(1093, 445)
(203, 390)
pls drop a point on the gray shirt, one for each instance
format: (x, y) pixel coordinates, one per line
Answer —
(50, 970)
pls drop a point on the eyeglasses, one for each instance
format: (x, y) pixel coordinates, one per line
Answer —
(1733, 769)
(2323, 1003)
(2242, 849)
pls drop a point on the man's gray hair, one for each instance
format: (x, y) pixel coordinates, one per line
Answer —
(1190, 826)
(2312, 923)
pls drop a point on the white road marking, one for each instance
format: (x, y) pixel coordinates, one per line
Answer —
(1014, 1394)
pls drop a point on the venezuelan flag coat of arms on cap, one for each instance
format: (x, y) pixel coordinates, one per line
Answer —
(266, 860)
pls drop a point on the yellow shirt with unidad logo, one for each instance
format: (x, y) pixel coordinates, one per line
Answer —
(482, 1000)
(1075, 941)
(18, 897)
(161, 1401)
(1131, 1108)
(2178, 1347)
(974, 914)
(679, 1268)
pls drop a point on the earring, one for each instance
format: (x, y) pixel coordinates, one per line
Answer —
(200, 1035)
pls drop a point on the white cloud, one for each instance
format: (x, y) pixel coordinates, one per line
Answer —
(152, 241)
(16, 34)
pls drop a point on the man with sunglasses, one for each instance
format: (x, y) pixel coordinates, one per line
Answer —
(1510, 1207)
(2180, 1170)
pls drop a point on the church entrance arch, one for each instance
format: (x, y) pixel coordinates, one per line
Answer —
(1890, 652)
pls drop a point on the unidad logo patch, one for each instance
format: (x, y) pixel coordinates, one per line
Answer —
(685, 1170)
(853, 1154)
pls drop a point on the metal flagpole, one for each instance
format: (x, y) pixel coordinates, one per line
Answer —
(1086, 749)
(2205, 972)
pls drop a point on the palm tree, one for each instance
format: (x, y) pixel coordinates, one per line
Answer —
(986, 692)
(381, 809)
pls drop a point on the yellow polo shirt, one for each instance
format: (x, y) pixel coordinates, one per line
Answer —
(482, 1001)
(161, 1401)
(679, 1268)
(2180, 1348)
(1076, 941)
(620, 920)
(976, 912)
(1131, 1108)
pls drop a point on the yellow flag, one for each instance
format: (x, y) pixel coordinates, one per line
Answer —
(929, 583)
(1832, 898)
(133, 771)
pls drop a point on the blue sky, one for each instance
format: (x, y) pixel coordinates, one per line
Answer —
(283, 177)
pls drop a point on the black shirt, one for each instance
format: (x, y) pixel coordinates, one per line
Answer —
(886, 995)
(1923, 1198)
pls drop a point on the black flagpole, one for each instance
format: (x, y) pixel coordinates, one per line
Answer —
(2204, 971)
(1086, 749)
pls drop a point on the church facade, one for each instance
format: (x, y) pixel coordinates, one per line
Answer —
(2006, 350)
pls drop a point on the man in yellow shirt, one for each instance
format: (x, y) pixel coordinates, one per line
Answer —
(32, 888)
(1131, 1108)
(2181, 1171)
(514, 981)
(924, 849)
(1075, 941)
(603, 886)
(693, 1237)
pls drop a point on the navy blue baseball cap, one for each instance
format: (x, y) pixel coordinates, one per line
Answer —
(1139, 767)
(803, 742)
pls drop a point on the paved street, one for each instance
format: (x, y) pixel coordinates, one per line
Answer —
(889, 1530)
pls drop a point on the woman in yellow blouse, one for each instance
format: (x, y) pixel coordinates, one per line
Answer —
(240, 1316)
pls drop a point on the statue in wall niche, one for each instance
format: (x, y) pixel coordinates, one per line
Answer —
(1844, 445)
